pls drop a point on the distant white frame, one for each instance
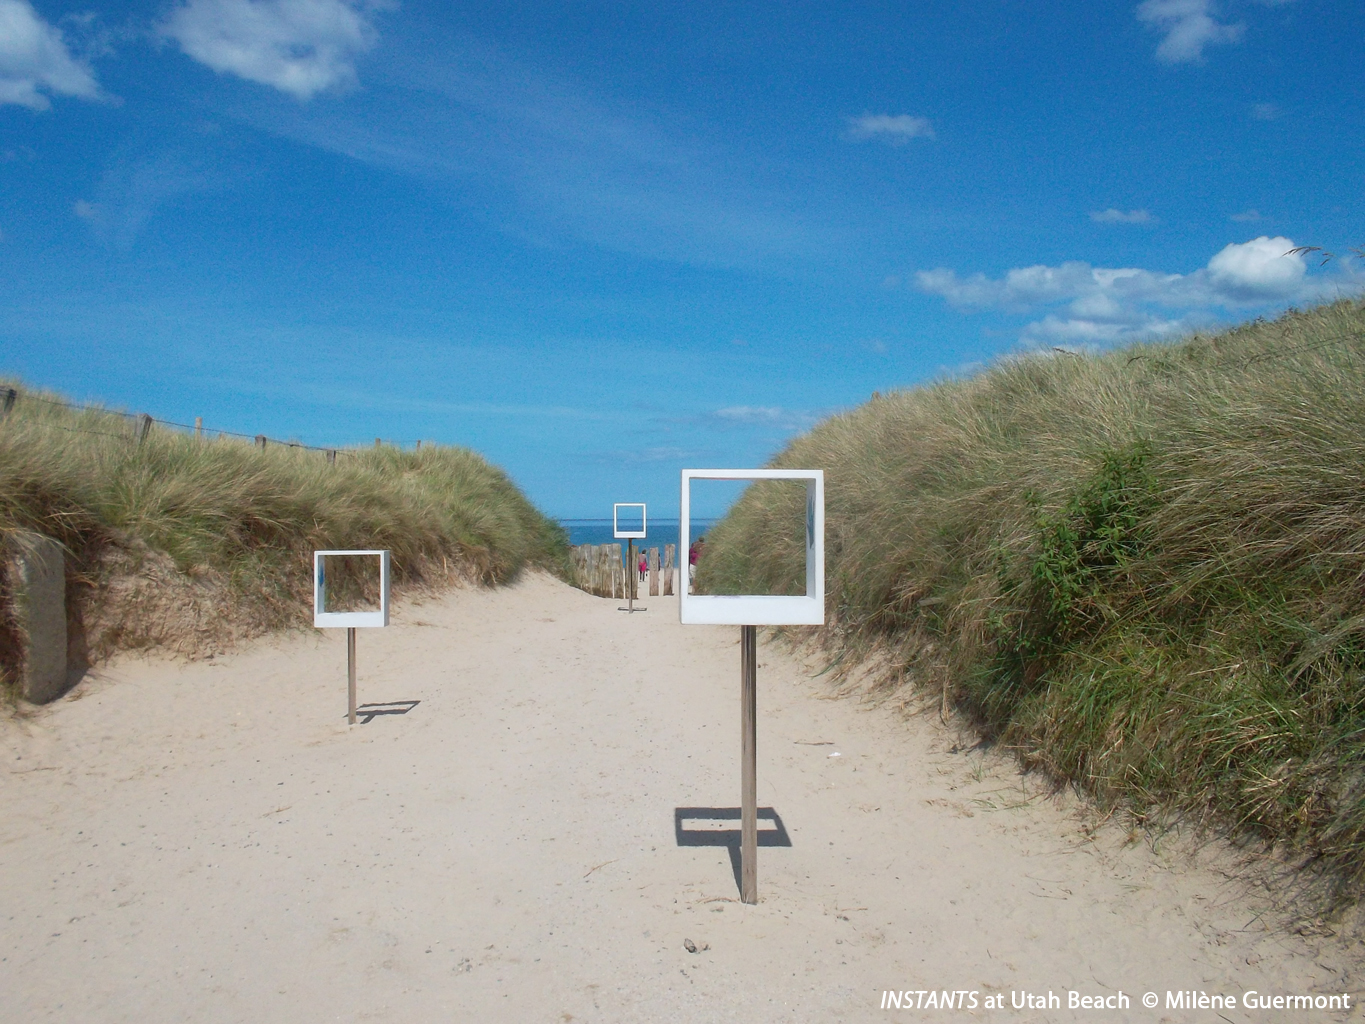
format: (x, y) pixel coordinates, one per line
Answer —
(620, 534)
(323, 618)
(759, 609)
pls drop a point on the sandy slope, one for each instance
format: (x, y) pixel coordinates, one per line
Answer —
(211, 842)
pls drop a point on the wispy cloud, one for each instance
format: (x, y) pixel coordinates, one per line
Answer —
(1187, 26)
(763, 416)
(1113, 216)
(659, 453)
(134, 188)
(543, 158)
(300, 47)
(1265, 111)
(1246, 217)
(35, 60)
(1102, 305)
(896, 129)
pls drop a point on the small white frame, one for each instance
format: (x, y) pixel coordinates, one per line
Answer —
(759, 609)
(323, 618)
(621, 534)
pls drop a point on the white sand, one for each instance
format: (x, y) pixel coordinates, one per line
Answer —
(211, 842)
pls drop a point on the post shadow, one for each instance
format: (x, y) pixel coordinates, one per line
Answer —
(368, 712)
(727, 837)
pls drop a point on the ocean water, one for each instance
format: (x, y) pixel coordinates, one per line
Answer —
(661, 532)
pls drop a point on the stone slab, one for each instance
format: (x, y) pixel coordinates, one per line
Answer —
(36, 567)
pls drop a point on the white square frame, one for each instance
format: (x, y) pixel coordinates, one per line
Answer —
(620, 534)
(323, 618)
(759, 609)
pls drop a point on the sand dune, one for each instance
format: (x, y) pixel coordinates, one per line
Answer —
(211, 842)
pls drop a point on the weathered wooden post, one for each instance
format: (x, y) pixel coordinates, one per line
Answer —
(668, 570)
(10, 395)
(144, 426)
(260, 441)
(198, 427)
(653, 572)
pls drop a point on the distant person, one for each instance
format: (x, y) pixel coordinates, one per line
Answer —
(693, 553)
(644, 566)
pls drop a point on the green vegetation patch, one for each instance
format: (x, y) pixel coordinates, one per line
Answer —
(1142, 569)
(189, 543)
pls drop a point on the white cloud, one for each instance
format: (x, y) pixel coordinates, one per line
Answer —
(1265, 111)
(34, 60)
(1102, 305)
(85, 210)
(751, 414)
(762, 416)
(1112, 216)
(1261, 270)
(896, 129)
(1246, 216)
(300, 47)
(1189, 26)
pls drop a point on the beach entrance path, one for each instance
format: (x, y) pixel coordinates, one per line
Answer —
(531, 825)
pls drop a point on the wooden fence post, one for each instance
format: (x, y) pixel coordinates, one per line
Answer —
(198, 427)
(668, 570)
(260, 441)
(10, 396)
(144, 426)
(331, 456)
(653, 572)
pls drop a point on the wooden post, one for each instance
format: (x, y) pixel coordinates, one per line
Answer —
(748, 720)
(260, 441)
(668, 570)
(144, 426)
(350, 674)
(331, 456)
(631, 575)
(10, 395)
(198, 427)
(376, 442)
(653, 572)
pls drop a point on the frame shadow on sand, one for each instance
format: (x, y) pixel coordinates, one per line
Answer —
(367, 713)
(713, 830)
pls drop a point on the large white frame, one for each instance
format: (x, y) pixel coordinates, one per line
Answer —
(322, 617)
(620, 534)
(759, 609)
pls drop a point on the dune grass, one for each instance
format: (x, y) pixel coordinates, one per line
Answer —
(1144, 570)
(199, 541)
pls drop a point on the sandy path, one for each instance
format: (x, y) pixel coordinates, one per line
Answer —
(210, 842)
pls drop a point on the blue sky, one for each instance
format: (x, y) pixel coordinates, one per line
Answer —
(599, 242)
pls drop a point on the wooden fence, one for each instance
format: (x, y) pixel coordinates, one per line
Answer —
(600, 570)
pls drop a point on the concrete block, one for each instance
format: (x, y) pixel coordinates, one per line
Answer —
(36, 570)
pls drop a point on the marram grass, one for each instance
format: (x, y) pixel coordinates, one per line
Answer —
(188, 543)
(1143, 569)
